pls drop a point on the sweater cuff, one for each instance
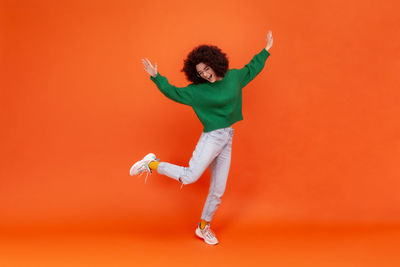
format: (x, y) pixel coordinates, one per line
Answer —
(155, 78)
(265, 53)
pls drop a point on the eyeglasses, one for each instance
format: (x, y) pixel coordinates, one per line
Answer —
(200, 73)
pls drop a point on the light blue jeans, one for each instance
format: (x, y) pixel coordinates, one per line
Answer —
(213, 149)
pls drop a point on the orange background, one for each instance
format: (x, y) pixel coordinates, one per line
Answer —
(319, 145)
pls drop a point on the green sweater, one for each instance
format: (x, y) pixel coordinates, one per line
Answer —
(219, 104)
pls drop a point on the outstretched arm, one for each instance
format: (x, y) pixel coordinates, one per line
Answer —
(255, 66)
(181, 95)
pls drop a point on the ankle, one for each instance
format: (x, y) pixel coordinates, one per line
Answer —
(154, 165)
(203, 224)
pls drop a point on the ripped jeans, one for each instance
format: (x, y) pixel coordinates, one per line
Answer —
(213, 149)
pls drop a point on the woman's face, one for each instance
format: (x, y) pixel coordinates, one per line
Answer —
(206, 72)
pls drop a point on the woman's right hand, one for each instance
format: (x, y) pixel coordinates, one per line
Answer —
(269, 40)
(152, 71)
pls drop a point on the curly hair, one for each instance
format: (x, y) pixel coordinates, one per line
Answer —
(209, 55)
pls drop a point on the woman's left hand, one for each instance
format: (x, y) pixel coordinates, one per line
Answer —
(270, 40)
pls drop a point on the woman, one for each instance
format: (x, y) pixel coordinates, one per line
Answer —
(215, 95)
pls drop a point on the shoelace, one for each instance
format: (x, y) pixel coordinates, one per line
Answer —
(208, 232)
(146, 170)
(180, 180)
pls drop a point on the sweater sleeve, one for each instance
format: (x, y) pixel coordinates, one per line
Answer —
(254, 67)
(183, 95)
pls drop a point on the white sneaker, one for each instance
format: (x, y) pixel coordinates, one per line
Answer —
(207, 234)
(142, 166)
